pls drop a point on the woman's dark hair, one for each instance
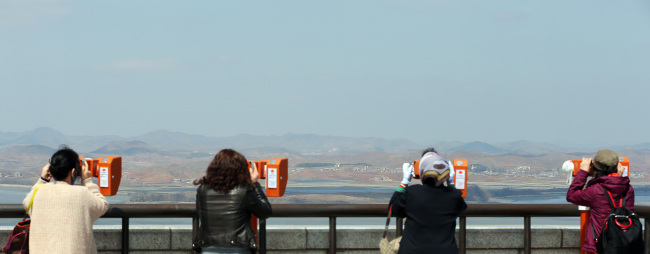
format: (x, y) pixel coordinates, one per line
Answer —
(432, 181)
(428, 150)
(429, 180)
(227, 170)
(604, 172)
(62, 163)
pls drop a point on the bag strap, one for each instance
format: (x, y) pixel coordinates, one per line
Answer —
(31, 201)
(388, 221)
(611, 201)
(612, 204)
(593, 233)
(623, 199)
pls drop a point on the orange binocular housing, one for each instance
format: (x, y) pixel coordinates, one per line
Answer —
(623, 160)
(276, 173)
(460, 173)
(108, 171)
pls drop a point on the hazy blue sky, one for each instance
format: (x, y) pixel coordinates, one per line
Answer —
(561, 72)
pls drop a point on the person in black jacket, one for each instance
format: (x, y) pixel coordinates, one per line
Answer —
(430, 209)
(227, 196)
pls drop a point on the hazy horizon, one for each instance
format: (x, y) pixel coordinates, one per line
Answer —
(573, 73)
(443, 143)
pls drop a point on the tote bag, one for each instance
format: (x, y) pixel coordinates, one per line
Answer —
(18, 242)
(385, 246)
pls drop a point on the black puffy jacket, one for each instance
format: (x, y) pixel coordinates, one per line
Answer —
(224, 219)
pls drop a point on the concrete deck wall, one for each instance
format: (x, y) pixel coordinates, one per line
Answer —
(314, 240)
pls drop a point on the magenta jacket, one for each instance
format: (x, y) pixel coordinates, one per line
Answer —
(596, 199)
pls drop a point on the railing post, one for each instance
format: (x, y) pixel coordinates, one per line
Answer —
(527, 235)
(646, 233)
(125, 235)
(332, 235)
(262, 234)
(399, 222)
(195, 229)
(126, 211)
(462, 220)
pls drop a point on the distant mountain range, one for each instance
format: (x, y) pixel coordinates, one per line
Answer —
(32, 150)
(127, 148)
(162, 141)
(53, 138)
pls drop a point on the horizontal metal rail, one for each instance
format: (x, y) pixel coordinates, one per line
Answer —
(332, 211)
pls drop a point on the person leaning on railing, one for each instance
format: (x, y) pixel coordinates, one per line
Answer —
(227, 196)
(62, 215)
(607, 172)
(430, 209)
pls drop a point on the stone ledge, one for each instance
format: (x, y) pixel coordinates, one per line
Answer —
(357, 240)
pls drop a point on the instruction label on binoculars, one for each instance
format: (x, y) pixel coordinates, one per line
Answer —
(273, 178)
(460, 179)
(103, 177)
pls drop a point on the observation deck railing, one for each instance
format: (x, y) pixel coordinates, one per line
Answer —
(333, 211)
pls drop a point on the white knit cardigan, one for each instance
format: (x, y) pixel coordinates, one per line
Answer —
(63, 216)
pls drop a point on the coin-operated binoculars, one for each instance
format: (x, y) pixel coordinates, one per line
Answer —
(457, 173)
(276, 173)
(108, 171)
(572, 167)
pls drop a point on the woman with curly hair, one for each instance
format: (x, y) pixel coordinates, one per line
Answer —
(226, 197)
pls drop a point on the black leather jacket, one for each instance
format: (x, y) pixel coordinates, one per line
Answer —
(225, 218)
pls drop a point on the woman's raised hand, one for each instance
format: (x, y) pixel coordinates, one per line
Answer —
(407, 172)
(45, 172)
(85, 173)
(620, 169)
(586, 164)
(253, 171)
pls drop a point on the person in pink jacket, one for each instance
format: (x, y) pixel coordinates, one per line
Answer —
(607, 172)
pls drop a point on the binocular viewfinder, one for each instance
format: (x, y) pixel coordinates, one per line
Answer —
(108, 171)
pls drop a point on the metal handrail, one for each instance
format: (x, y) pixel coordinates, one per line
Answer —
(332, 211)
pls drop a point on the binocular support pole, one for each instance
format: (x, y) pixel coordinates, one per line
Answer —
(584, 222)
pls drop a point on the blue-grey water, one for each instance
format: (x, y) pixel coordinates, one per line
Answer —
(15, 195)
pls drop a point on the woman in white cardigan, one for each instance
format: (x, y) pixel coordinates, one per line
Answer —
(63, 214)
